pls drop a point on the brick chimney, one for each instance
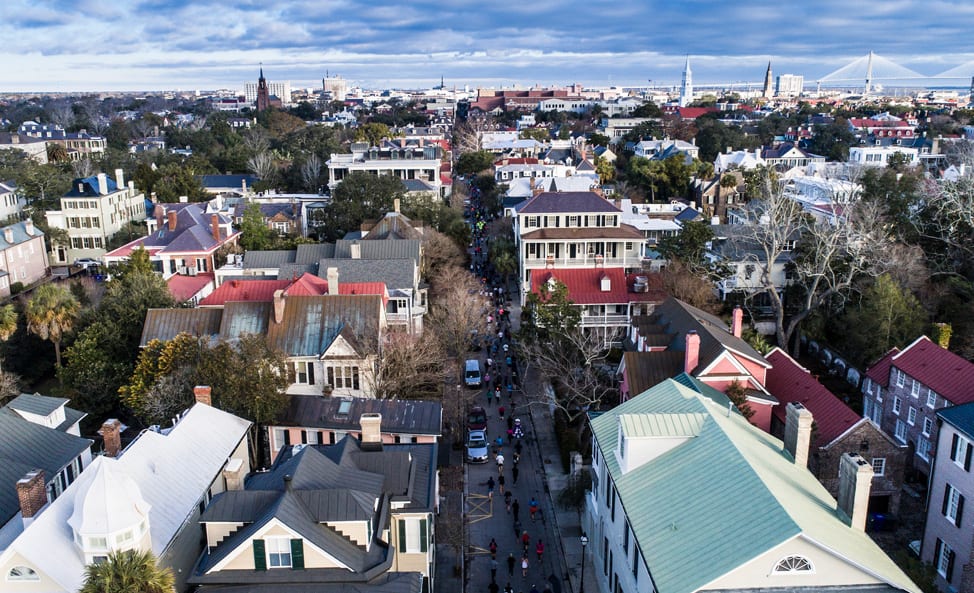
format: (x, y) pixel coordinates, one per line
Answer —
(278, 306)
(855, 481)
(111, 433)
(215, 226)
(737, 321)
(332, 280)
(798, 432)
(171, 217)
(32, 494)
(691, 354)
(371, 423)
(160, 213)
(203, 393)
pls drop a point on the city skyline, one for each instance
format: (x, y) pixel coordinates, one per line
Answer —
(65, 45)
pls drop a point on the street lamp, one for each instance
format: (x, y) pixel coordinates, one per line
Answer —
(581, 585)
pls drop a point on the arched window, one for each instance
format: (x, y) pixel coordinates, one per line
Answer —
(22, 573)
(792, 564)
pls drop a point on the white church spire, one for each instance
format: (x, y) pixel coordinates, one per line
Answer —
(686, 91)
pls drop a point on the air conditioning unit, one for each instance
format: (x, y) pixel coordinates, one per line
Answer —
(181, 270)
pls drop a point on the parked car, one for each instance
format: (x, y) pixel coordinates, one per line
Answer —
(472, 376)
(477, 419)
(86, 262)
(477, 446)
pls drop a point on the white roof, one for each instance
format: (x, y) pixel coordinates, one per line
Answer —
(110, 503)
(171, 470)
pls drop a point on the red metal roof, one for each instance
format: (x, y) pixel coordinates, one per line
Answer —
(879, 372)
(695, 112)
(941, 370)
(790, 382)
(184, 288)
(255, 291)
(585, 286)
(311, 285)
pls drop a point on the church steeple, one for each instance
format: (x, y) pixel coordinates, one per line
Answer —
(263, 92)
(768, 91)
(686, 92)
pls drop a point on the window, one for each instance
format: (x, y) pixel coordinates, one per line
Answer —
(898, 377)
(879, 466)
(931, 398)
(22, 573)
(953, 505)
(915, 389)
(413, 537)
(960, 451)
(278, 552)
(793, 564)
(911, 416)
(344, 377)
(896, 405)
(304, 372)
(98, 543)
(927, 426)
(531, 222)
(944, 560)
(923, 448)
(900, 432)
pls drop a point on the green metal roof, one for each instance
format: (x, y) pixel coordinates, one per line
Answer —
(724, 496)
(661, 425)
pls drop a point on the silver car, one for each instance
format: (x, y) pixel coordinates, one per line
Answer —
(477, 446)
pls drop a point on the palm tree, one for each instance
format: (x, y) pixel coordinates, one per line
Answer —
(57, 153)
(8, 323)
(128, 571)
(51, 312)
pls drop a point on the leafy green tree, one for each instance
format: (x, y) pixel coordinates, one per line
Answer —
(689, 245)
(596, 139)
(118, 134)
(359, 197)
(648, 109)
(605, 169)
(51, 313)
(471, 163)
(8, 322)
(833, 140)
(738, 395)
(542, 135)
(255, 235)
(128, 571)
(157, 360)
(887, 316)
(373, 133)
(57, 153)
(175, 180)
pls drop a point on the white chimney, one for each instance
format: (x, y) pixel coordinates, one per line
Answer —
(120, 178)
(278, 306)
(29, 227)
(798, 432)
(102, 184)
(332, 280)
(8, 235)
(855, 482)
(355, 250)
(371, 423)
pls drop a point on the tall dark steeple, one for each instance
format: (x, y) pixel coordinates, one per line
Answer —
(263, 93)
(768, 91)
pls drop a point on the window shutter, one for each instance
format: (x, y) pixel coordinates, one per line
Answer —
(423, 545)
(960, 509)
(943, 509)
(260, 557)
(311, 373)
(297, 554)
(967, 457)
(953, 448)
(402, 536)
(950, 565)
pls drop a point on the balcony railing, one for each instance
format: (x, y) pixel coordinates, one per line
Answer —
(600, 320)
(582, 262)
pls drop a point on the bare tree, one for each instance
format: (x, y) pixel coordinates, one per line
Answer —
(439, 252)
(61, 113)
(256, 140)
(83, 168)
(408, 366)
(262, 165)
(689, 286)
(311, 172)
(458, 311)
(825, 259)
(171, 394)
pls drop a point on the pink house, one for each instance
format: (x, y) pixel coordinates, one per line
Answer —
(679, 338)
(23, 257)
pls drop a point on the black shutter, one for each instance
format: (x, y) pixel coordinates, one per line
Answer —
(260, 557)
(950, 565)
(311, 373)
(943, 509)
(287, 437)
(960, 509)
(953, 448)
(297, 554)
(402, 536)
(967, 457)
(423, 545)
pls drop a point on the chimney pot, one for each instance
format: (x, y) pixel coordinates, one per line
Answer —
(855, 482)
(278, 306)
(203, 394)
(32, 494)
(691, 355)
(111, 433)
(798, 432)
(737, 321)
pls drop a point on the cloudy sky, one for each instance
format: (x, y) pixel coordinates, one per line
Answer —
(83, 45)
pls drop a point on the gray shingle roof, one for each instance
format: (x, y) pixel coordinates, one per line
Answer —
(381, 249)
(396, 273)
(310, 253)
(576, 201)
(413, 417)
(267, 259)
(390, 582)
(36, 403)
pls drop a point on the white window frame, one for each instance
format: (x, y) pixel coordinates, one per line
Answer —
(900, 432)
(931, 398)
(911, 416)
(943, 560)
(898, 377)
(413, 543)
(953, 502)
(301, 374)
(915, 389)
(879, 466)
(927, 426)
(897, 405)
(923, 448)
(793, 564)
(959, 455)
(276, 558)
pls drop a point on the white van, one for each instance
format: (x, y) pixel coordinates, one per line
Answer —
(472, 375)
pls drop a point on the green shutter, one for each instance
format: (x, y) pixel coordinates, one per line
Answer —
(260, 556)
(423, 544)
(297, 554)
(402, 536)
